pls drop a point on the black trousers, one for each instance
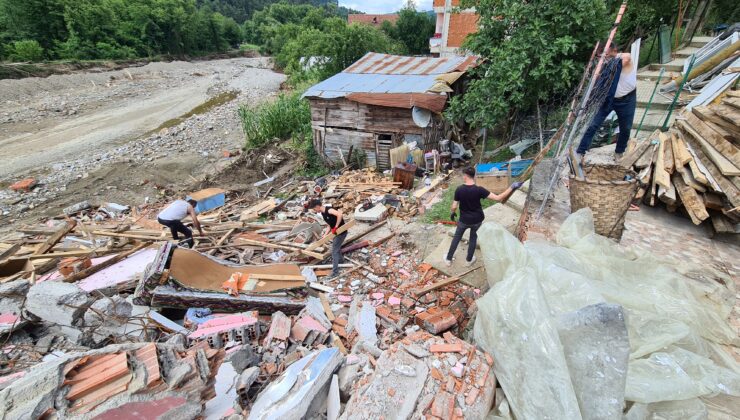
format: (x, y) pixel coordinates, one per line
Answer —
(177, 227)
(461, 228)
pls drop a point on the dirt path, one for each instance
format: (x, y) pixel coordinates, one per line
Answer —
(123, 135)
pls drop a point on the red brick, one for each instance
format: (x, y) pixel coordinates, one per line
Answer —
(24, 185)
(391, 392)
(438, 322)
(69, 266)
(436, 374)
(443, 405)
(446, 348)
(472, 396)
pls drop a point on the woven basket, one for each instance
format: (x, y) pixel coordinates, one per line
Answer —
(608, 196)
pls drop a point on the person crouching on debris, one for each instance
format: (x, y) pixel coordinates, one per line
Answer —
(334, 218)
(468, 198)
(172, 217)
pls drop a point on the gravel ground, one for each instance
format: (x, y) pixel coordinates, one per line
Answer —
(111, 136)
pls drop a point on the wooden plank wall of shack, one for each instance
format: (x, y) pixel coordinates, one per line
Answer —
(341, 123)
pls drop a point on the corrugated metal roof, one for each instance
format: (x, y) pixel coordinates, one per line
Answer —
(384, 73)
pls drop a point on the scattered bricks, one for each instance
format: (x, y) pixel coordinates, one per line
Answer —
(394, 301)
(341, 322)
(24, 185)
(446, 348)
(269, 368)
(482, 380)
(391, 392)
(443, 405)
(438, 322)
(436, 374)
(472, 396)
(69, 266)
(450, 338)
(450, 385)
(340, 331)
(408, 303)
(489, 359)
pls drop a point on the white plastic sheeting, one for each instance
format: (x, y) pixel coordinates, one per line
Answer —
(674, 322)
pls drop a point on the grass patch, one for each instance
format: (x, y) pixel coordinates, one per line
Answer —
(286, 119)
(440, 211)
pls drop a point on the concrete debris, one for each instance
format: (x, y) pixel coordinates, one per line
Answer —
(63, 304)
(103, 313)
(290, 395)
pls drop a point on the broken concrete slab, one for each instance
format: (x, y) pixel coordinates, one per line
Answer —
(436, 259)
(374, 214)
(59, 303)
(597, 349)
(504, 215)
(108, 317)
(290, 396)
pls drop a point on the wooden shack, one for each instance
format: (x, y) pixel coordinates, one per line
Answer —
(370, 106)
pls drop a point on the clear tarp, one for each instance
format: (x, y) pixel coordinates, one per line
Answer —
(676, 320)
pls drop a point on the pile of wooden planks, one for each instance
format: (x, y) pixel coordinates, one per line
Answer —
(695, 166)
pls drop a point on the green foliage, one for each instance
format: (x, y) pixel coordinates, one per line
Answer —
(335, 46)
(531, 52)
(26, 50)
(118, 29)
(413, 29)
(286, 117)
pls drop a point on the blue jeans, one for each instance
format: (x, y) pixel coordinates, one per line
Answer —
(625, 109)
(461, 228)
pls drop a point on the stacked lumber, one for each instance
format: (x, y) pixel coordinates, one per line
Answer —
(352, 188)
(695, 165)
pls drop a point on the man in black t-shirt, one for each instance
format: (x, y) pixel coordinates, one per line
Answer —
(468, 197)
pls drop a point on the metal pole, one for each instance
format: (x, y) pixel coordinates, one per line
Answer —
(678, 93)
(650, 102)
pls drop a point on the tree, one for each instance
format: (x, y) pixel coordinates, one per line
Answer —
(530, 52)
(27, 50)
(414, 29)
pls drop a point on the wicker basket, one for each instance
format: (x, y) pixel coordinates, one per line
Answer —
(607, 194)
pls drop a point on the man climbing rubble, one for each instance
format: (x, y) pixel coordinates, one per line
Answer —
(172, 217)
(621, 98)
(334, 218)
(468, 198)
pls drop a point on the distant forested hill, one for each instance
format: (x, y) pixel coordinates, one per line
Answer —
(241, 10)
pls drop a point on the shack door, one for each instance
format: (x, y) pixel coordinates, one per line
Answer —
(383, 146)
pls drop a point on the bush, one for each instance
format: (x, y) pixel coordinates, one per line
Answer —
(287, 117)
(26, 50)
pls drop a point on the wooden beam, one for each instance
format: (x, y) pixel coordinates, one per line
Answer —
(722, 163)
(727, 149)
(662, 177)
(691, 201)
(222, 240)
(330, 236)
(628, 161)
(56, 237)
(722, 184)
(130, 236)
(434, 286)
(681, 156)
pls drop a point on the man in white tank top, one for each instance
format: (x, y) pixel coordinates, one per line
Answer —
(622, 99)
(172, 217)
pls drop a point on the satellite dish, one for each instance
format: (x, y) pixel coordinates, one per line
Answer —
(422, 117)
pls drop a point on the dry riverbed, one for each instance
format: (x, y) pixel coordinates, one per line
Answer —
(122, 135)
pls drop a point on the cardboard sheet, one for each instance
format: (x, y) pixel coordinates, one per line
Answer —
(194, 270)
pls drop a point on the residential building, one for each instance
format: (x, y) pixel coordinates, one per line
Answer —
(453, 26)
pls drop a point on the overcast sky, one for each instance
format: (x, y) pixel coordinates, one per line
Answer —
(383, 6)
